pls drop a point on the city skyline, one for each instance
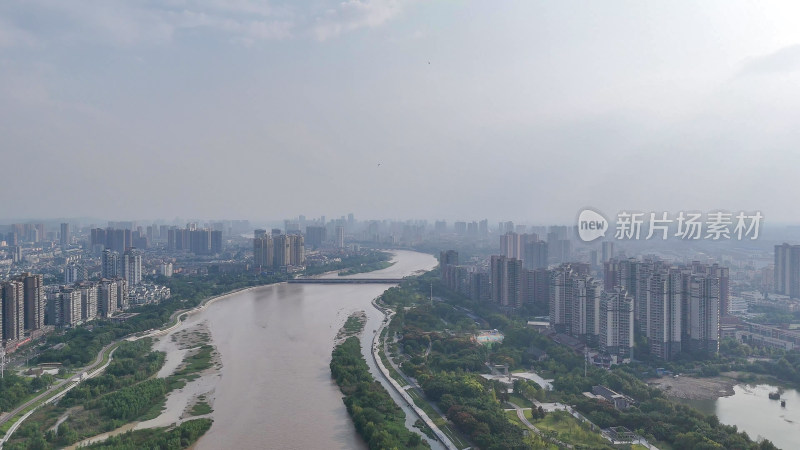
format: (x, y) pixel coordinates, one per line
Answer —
(397, 109)
(525, 219)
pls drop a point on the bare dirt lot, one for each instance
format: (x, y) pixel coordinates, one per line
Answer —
(695, 388)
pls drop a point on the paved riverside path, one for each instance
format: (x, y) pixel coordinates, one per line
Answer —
(523, 419)
(376, 356)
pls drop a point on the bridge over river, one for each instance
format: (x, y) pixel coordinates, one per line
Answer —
(346, 280)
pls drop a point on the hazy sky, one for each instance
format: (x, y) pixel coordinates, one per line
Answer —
(523, 110)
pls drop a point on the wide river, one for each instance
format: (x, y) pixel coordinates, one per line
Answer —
(275, 390)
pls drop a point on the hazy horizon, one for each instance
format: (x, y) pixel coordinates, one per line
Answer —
(523, 111)
(765, 225)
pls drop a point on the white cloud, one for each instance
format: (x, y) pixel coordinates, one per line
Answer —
(126, 23)
(786, 59)
(240, 30)
(249, 7)
(354, 14)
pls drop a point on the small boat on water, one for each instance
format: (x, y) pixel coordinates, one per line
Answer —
(774, 395)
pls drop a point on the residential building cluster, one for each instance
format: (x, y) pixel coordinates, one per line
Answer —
(128, 266)
(147, 293)
(22, 307)
(200, 241)
(275, 252)
(580, 307)
(677, 308)
(72, 305)
(117, 239)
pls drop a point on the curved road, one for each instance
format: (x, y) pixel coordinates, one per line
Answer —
(524, 420)
(92, 370)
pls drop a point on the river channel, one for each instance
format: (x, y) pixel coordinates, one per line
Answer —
(274, 389)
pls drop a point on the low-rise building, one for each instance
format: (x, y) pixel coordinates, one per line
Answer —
(620, 401)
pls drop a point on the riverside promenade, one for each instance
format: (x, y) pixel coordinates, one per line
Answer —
(388, 314)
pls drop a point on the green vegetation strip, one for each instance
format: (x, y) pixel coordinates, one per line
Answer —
(376, 417)
(201, 408)
(440, 421)
(368, 261)
(353, 324)
(364, 268)
(392, 372)
(520, 401)
(182, 436)
(106, 356)
(566, 428)
(512, 416)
